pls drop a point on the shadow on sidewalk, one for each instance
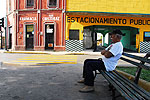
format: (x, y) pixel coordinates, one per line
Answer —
(55, 82)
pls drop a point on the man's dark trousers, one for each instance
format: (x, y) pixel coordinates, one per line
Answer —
(91, 65)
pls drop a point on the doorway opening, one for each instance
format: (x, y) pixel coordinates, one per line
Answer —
(29, 37)
(96, 37)
(10, 38)
(49, 36)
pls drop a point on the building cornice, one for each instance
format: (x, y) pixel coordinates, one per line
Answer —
(50, 9)
(107, 14)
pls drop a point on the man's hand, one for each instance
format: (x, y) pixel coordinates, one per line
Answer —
(107, 53)
(103, 52)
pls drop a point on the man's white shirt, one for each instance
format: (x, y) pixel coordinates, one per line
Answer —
(116, 49)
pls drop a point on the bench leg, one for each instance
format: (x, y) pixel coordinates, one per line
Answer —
(111, 88)
(113, 93)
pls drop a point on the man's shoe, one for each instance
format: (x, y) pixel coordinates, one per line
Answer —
(87, 89)
(81, 81)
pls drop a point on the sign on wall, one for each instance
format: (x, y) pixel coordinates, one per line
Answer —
(147, 34)
(103, 20)
(52, 18)
(49, 30)
(28, 18)
(30, 28)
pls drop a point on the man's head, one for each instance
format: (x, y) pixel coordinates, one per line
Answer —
(116, 35)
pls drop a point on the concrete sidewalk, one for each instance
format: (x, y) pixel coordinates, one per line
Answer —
(87, 52)
(9, 57)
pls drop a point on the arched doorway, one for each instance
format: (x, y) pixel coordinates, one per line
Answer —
(92, 35)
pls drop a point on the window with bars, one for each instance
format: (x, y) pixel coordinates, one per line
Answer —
(73, 34)
(146, 36)
(52, 3)
(30, 3)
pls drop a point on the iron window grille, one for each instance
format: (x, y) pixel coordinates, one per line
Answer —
(73, 34)
(52, 3)
(30, 3)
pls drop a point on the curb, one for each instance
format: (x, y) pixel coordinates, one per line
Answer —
(54, 53)
(34, 64)
(19, 64)
(144, 84)
(25, 52)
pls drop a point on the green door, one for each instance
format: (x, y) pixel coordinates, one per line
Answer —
(126, 39)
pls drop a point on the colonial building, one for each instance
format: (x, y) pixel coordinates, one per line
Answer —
(35, 25)
(76, 25)
(88, 22)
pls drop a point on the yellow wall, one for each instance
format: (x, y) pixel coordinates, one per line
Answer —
(77, 26)
(114, 6)
(80, 21)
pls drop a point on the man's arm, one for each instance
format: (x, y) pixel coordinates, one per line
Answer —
(107, 53)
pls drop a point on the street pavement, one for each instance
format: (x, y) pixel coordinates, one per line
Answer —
(54, 81)
(48, 76)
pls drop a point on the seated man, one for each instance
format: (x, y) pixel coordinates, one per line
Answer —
(108, 61)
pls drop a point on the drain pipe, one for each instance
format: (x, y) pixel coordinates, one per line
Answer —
(5, 27)
(37, 23)
(17, 18)
(62, 22)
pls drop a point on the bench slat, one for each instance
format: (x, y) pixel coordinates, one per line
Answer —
(134, 86)
(131, 90)
(135, 63)
(122, 91)
(128, 89)
(139, 91)
(125, 86)
(137, 57)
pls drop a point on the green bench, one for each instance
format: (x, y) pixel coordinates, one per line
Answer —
(127, 88)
